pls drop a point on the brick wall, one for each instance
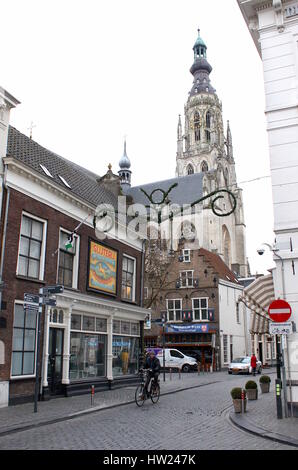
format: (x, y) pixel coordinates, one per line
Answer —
(15, 287)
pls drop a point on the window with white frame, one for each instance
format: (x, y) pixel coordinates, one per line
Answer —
(68, 260)
(186, 256)
(146, 293)
(128, 278)
(200, 309)
(31, 247)
(253, 344)
(225, 348)
(24, 341)
(174, 309)
(186, 278)
(268, 349)
(273, 349)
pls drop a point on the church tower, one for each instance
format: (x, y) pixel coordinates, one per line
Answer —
(203, 147)
(125, 172)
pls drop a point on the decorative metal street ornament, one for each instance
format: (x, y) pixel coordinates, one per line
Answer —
(159, 204)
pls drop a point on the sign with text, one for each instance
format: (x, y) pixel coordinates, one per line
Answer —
(102, 268)
(280, 328)
(201, 328)
(53, 290)
(33, 298)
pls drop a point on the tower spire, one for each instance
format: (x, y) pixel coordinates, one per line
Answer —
(201, 68)
(179, 138)
(125, 172)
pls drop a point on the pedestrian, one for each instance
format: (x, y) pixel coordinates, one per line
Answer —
(253, 363)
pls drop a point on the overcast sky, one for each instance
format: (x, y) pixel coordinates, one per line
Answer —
(89, 72)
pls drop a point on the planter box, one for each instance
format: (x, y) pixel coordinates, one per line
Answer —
(265, 387)
(238, 405)
(252, 394)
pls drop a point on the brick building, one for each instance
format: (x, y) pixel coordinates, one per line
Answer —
(200, 301)
(92, 336)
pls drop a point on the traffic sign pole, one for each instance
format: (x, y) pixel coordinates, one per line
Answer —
(38, 350)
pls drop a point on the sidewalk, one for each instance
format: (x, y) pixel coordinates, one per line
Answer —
(261, 419)
(22, 417)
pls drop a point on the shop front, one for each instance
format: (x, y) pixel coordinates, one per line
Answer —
(196, 339)
(89, 342)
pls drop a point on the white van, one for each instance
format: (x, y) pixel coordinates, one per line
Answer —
(175, 359)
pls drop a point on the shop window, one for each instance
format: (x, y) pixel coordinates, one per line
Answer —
(101, 324)
(31, 248)
(87, 355)
(116, 326)
(135, 329)
(125, 327)
(76, 322)
(24, 341)
(88, 323)
(200, 309)
(128, 278)
(125, 355)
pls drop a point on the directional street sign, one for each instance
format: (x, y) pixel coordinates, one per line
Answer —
(53, 289)
(30, 307)
(280, 328)
(279, 311)
(33, 298)
(51, 302)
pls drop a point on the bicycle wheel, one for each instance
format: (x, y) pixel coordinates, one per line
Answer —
(140, 396)
(155, 393)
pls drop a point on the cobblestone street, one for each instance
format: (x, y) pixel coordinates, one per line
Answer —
(191, 419)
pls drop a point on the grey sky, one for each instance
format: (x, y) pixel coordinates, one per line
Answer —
(88, 73)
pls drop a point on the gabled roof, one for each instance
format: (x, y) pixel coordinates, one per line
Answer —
(82, 182)
(219, 266)
(189, 189)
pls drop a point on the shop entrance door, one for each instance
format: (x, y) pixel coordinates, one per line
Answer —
(55, 361)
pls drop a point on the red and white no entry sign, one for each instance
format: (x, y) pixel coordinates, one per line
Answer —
(279, 311)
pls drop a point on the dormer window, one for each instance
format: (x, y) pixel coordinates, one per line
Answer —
(64, 182)
(46, 171)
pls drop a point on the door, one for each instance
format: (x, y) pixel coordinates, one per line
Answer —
(260, 358)
(55, 360)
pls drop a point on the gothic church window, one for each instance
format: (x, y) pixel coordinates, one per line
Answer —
(208, 120)
(190, 170)
(205, 167)
(208, 136)
(197, 123)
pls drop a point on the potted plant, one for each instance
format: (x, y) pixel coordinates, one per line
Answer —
(236, 394)
(265, 383)
(251, 390)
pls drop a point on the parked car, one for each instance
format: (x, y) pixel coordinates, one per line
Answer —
(241, 365)
(175, 359)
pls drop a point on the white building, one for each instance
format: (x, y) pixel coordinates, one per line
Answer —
(233, 323)
(273, 25)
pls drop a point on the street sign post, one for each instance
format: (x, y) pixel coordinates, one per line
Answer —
(33, 298)
(50, 302)
(280, 311)
(52, 290)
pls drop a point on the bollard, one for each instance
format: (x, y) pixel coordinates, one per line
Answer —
(242, 401)
(170, 374)
(179, 373)
(208, 368)
(211, 369)
(92, 395)
(198, 368)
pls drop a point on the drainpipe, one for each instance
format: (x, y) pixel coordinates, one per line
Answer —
(4, 236)
(142, 302)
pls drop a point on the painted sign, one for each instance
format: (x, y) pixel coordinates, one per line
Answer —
(194, 328)
(102, 268)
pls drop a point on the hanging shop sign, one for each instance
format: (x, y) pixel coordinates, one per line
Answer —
(201, 328)
(102, 268)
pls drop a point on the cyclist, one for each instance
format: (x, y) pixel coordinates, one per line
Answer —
(152, 363)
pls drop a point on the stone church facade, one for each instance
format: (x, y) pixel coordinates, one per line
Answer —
(204, 163)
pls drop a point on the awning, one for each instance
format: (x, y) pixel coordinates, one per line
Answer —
(257, 297)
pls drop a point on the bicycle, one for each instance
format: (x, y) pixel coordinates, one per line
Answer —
(153, 389)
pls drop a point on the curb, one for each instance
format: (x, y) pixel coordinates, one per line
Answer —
(89, 411)
(243, 423)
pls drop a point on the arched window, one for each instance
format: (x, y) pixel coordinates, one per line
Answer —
(226, 240)
(208, 136)
(197, 124)
(190, 170)
(205, 166)
(208, 120)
